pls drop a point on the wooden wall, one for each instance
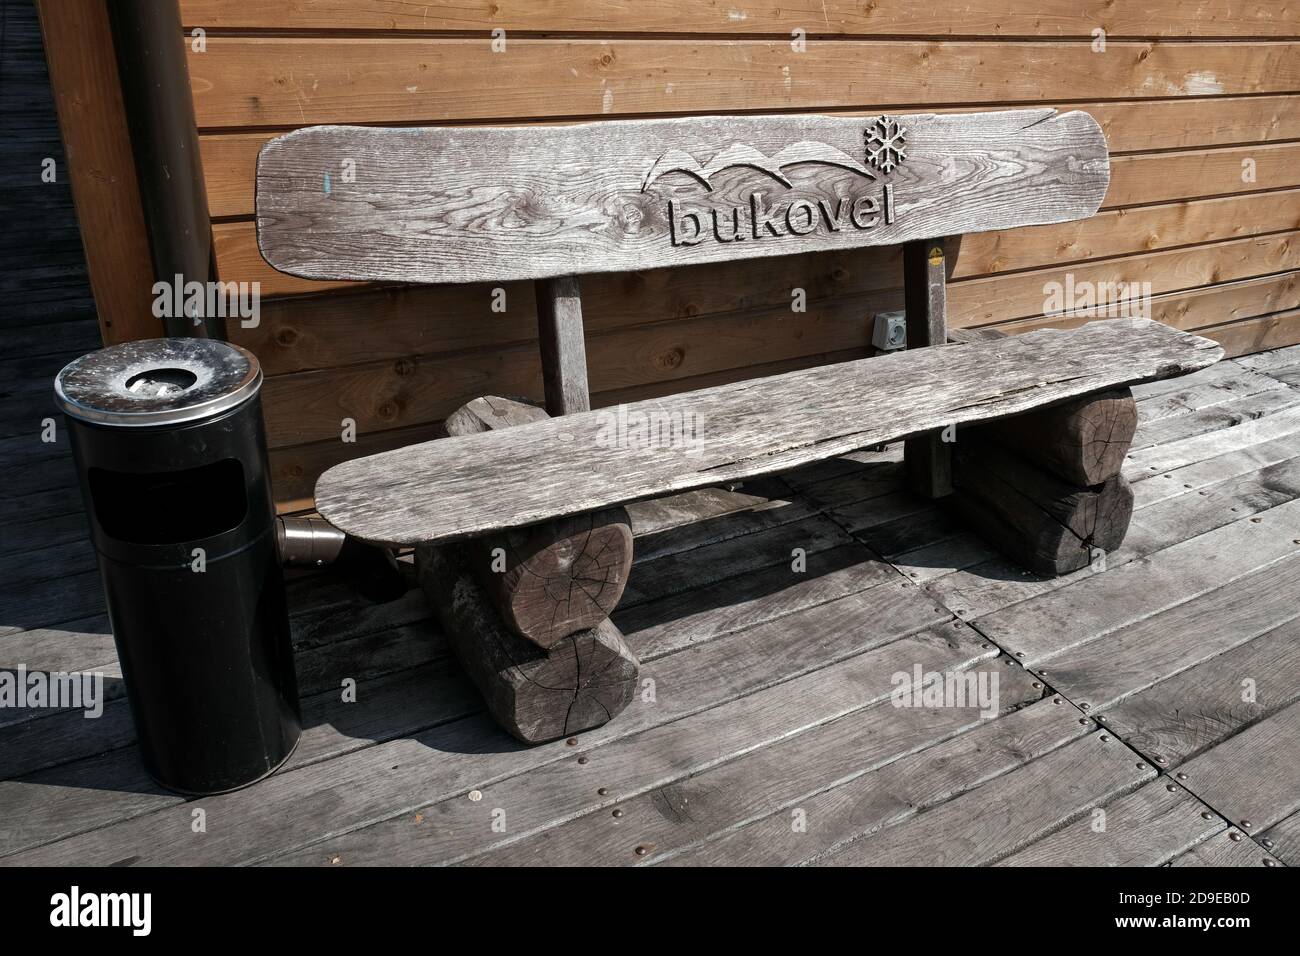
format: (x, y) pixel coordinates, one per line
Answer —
(1185, 92)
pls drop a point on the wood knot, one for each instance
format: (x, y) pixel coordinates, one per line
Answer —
(403, 366)
(632, 218)
(672, 358)
(388, 410)
(286, 336)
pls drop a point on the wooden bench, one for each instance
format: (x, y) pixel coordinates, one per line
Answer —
(522, 540)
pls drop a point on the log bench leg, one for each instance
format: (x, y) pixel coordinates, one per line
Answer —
(527, 610)
(1047, 525)
(1045, 488)
(537, 695)
(550, 579)
(1084, 440)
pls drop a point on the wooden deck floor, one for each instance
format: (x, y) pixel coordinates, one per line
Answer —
(1161, 690)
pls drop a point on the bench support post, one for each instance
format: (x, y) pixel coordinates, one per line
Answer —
(928, 458)
(564, 352)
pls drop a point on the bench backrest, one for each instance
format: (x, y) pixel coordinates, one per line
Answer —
(453, 204)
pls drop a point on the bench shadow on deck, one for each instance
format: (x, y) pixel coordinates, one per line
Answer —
(770, 619)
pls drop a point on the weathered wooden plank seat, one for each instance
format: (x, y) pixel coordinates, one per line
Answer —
(521, 540)
(434, 492)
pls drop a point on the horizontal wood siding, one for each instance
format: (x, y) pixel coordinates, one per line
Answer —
(1200, 104)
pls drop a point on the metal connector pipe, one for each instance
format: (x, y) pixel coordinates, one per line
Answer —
(308, 541)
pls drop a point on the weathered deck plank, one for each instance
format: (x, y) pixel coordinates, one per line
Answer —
(1276, 360)
(1229, 848)
(894, 793)
(734, 556)
(1177, 519)
(61, 736)
(1211, 471)
(1283, 840)
(80, 797)
(1253, 779)
(1101, 602)
(1188, 451)
(1098, 674)
(668, 623)
(1190, 712)
(1223, 383)
(1148, 827)
(552, 795)
(1215, 417)
(712, 516)
(1008, 813)
(383, 780)
(758, 784)
(870, 480)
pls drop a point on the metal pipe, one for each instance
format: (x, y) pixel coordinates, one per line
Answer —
(312, 541)
(308, 541)
(150, 48)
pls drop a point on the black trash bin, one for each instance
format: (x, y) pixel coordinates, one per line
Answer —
(169, 445)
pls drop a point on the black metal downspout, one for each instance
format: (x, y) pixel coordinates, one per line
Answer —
(150, 49)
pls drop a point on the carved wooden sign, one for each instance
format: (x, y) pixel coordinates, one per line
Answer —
(445, 204)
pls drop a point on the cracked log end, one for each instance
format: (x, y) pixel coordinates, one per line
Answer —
(583, 681)
(557, 577)
(1083, 441)
(554, 578)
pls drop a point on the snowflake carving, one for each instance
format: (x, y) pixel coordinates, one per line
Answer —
(885, 142)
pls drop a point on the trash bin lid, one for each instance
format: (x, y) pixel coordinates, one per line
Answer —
(157, 382)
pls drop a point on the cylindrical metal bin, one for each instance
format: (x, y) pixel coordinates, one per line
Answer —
(170, 449)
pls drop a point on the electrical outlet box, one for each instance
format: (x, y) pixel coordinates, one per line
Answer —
(890, 332)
